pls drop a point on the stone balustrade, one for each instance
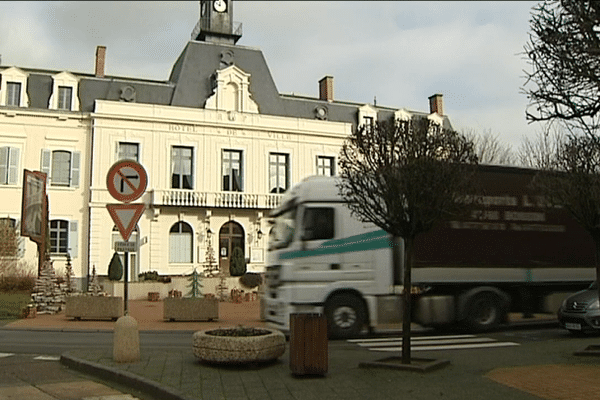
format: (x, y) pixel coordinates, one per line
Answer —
(190, 198)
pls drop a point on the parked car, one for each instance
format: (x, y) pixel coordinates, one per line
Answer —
(580, 312)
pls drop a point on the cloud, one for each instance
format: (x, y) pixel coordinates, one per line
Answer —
(400, 52)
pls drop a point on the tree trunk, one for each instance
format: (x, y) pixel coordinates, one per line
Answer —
(407, 282)
(597, 243)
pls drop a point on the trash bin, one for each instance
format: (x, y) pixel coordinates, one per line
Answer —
(308, 344)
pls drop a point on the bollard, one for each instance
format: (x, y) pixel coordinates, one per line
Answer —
(126, 340)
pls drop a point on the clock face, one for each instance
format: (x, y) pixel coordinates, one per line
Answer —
(220, 5)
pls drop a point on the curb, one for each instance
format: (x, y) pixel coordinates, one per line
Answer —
(81, 330)
(122, 377)
(532, 324)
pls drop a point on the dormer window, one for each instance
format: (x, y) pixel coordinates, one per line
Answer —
(12, 88)
(64, 92)
(65, 96)
(13, 94)
(402, 115)
(367, 116)
(436, 119)
(232, 92)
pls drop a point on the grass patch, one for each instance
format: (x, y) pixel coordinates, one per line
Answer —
(12, 304)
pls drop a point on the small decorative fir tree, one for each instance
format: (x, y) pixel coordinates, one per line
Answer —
(94, 288)
(222, 287)
(69, 272)
(195, 285)
(211, 267)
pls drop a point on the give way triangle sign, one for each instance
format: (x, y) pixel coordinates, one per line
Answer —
(126, 216)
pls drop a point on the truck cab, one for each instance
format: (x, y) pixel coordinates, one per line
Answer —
(321, 260)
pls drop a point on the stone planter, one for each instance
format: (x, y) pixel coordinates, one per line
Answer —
(94, 307)
(238, 349)
(190, 309)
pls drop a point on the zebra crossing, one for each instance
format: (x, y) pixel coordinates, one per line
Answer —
(432, 343)
(39, 358)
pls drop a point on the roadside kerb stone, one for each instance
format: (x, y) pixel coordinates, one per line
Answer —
(122, 377)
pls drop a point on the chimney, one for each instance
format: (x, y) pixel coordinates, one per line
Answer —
(100, 57)
(326, 88)
(436, 104)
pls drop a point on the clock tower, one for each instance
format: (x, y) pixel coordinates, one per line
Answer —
(216, 23)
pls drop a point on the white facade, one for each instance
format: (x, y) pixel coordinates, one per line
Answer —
(208, 134)
(58, 144)
(218, 142)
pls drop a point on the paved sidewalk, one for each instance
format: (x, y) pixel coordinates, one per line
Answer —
(531, 371)
(34, 377)
(545, 369)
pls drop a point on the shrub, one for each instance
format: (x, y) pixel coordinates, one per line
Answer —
(238, 263)
(153, 276)
(17, 283)
(115, 268)
(250, 280)
(148, 276)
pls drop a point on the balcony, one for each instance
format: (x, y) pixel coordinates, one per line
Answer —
(189, 198)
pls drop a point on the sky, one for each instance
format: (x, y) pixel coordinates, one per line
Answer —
(397, 52)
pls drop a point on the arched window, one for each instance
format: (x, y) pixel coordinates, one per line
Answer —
(180, 243)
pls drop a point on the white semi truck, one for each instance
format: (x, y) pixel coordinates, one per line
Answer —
(512, 253)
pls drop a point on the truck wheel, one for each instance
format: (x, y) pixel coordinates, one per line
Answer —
(346, 316)
(484, 312)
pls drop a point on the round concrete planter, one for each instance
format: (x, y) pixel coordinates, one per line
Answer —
(238, 349)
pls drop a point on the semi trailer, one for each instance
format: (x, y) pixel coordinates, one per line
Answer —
(513, 252)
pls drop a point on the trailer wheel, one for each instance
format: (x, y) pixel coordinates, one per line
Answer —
(485, 311)
(346, 316)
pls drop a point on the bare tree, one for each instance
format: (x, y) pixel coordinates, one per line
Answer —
(564, 53)
(406, 176)
(572, 181)
(489, 149)
(564, 87)
(539, 152)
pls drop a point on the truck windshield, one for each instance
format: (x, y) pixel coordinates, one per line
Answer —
(283, 229)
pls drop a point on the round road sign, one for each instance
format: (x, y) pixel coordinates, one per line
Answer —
(126, 180)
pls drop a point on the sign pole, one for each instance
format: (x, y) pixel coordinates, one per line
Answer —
(126, 181)
(125, 286)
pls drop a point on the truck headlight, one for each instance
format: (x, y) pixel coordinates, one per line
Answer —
(595, 305)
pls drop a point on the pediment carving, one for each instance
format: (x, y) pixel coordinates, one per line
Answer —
(232, 92)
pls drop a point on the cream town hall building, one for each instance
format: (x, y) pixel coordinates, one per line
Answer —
(219, 144)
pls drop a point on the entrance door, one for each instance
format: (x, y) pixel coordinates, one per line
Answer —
(231, 235)
(134, 268)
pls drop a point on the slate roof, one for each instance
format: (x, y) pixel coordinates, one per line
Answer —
(191, 83)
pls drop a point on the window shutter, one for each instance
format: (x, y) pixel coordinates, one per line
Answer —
(13, 166)
(75, 161)
(73, 238)
(4, 165)
(46, 159)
